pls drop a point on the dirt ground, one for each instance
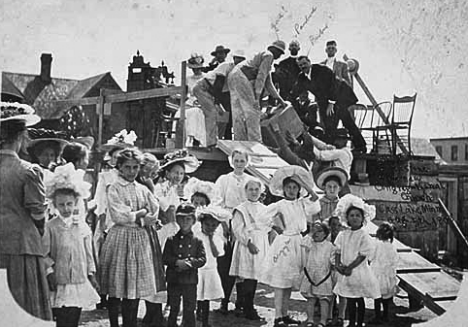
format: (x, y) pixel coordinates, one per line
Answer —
(401, 316)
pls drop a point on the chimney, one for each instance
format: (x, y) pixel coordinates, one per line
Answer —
(46, 65)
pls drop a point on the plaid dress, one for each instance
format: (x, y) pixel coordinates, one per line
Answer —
(130, 260)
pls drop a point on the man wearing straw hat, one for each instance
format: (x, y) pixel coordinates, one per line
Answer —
(210, 92)
(246, 83)
(219, 56)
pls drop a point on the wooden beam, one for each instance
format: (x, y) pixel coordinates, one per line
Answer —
(141, 95)
(181, 132)
(100, 112)
(77, 102)
(453, 224)
(377, 108)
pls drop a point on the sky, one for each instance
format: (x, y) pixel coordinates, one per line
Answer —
(402, 46)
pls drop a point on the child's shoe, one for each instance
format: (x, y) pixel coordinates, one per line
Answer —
(253, 315)
(291, 322)
(279, 322)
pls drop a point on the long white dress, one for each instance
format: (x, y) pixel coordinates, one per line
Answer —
(167, 195)
(318, 259)
(384, 264)
(362, 281)
(248, 223)
(209, 283)
(283, 264)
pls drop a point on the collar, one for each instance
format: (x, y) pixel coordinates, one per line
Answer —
(330, 59)
(9, 152)
(181, 235)
(123, 181)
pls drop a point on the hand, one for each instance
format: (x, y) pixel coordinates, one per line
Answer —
(148, 181)
(330, 109)
(52, 281)
(93, 281)
(150, 219)
(283, 104)
(290, 139)
(276, 127)
(330, 147)
(182, 265)
(253, 249)
(141, 213)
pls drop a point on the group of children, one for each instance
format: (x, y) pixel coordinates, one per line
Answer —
(162, 237)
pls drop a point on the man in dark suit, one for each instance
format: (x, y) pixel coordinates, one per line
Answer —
(286, 72)
(333, 98)
(339, 68)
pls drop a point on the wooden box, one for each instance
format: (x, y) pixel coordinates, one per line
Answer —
(287, 120)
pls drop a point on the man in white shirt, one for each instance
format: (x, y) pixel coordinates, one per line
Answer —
(339, 68)
(341, 156)
(210, 91)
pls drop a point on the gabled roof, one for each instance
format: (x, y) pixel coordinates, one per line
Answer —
(10, 89)
(84, 86)
(38, 93)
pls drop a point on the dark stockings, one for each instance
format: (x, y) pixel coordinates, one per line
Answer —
(113, 305)
(130, 312)
(153, 316)
(356, 305)
(249, 288)
(203, 312)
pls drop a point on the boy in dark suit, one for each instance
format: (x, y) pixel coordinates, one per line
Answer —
(183, 255)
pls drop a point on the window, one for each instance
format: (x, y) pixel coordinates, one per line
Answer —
(439, 150)
(454, 153)
(466, 152)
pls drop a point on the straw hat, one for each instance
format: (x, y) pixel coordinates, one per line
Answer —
(337, 172)
(238, 53)
(40, 135)
(195, 61)
(298, 174)
(17, 111)
(278, 44)
(122, 139)
(190, 162)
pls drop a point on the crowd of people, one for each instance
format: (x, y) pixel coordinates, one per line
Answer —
(321, 94)
(152, 232)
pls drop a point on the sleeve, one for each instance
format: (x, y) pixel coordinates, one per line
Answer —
(333, 254)
(239, 228)
(120, 213)
(328, 155)
(339, 241)
(270, 87)
(152, 202)
(219, 243)
(200, 259)
(91, 267)
(47, 244)
(168, 257)
(319, 144)
(366, 246)
(346, 75)
(270, 213)
(101, 195)
(34, 193)
(263, 73)
(311, 207)
(220, 186)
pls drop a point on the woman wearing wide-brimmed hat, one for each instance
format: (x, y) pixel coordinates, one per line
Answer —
(45, 146)
(22, 214)
(246, 84)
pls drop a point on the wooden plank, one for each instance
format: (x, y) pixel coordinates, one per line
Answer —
(433, 284)
(76, 102)
(141, 95)
(410, 262)
(254, 148)
(180, 130)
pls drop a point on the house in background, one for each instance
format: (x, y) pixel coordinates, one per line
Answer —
(454, 150)
(40, 91)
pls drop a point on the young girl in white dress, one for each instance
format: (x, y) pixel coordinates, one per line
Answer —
(384, 265)
(354, 248)
(251, 230)
(230, 188)
(209, 283)
(317, 286)
(283, 265)
(68, 244)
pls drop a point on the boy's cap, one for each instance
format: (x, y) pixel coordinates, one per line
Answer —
(185, 209)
